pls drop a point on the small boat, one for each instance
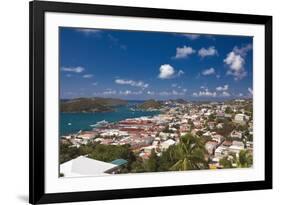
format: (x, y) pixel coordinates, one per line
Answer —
(100, 123)
(69, 124)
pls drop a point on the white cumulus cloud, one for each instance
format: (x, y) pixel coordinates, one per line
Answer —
(129, 92)
(209, 71)
(133, 83)
(180, 72)
(109, 92)
(167, 72)
(243, 50)
(211, 51)
(169, 93)
(78, 69)
(150, 92)
(222, 88)
(195, 94)
(205, 93)
(225, 94)
(184, 52)
(236, 61)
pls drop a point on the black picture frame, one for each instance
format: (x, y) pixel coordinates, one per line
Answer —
(37, 10)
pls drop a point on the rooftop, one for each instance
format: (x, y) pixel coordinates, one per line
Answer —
(84, 166)
(119, 162)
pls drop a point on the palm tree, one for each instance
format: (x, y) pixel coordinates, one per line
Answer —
(189, 154)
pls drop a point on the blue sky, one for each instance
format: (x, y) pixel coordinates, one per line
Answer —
(141, 65)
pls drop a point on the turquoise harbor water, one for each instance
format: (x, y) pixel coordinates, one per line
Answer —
(73, 122)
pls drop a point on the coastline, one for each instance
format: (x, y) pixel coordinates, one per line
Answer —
(84, 120)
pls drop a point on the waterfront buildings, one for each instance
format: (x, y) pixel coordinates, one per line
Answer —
(221, 133)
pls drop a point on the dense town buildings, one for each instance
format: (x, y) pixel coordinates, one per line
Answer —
(225, 127)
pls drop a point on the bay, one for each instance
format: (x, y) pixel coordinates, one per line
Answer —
(74, 122)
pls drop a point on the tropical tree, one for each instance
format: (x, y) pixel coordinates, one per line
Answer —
(245, 159)
(212, 117)
(227, 162)
(167, 159)
(190, 154)
(67, 152)
(137, 166)
(151, 164)
(228, 110)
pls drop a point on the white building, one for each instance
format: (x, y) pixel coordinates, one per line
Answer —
(236, 134)
(83, 166)
(220, 126)
(221, 151)
(149, 149)
(206, 134)
(165, 145)
(236, 147)
(114, 132)
(241, 118)
(164, 135)
(210, 146)
(238, 143)
(218, 138)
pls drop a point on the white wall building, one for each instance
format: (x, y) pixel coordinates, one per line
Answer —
(84, 166)
(165, 145)
(241, 118)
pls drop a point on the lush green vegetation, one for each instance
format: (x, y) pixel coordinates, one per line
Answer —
(90, 104)
(227, 162)
(228, 127)
(244, 160)
(106, 153)
(228, 110)
(67, 153)
(189, 154)
(150, 104)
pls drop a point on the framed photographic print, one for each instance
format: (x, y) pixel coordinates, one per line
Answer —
(140, 102)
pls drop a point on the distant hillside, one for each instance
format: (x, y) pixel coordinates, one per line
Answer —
(90, 104)
(181, 101)
(150, 104)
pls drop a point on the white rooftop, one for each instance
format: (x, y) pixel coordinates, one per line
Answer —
(83, 166)
(169, 142)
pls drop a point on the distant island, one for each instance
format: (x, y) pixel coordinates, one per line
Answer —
(90, 105)
(150, 104)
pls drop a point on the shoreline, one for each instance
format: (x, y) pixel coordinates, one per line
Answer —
(109, 122)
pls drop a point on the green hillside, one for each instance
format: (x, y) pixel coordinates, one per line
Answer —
(91, 105)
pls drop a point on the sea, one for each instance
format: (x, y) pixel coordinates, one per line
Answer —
(74, 122)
